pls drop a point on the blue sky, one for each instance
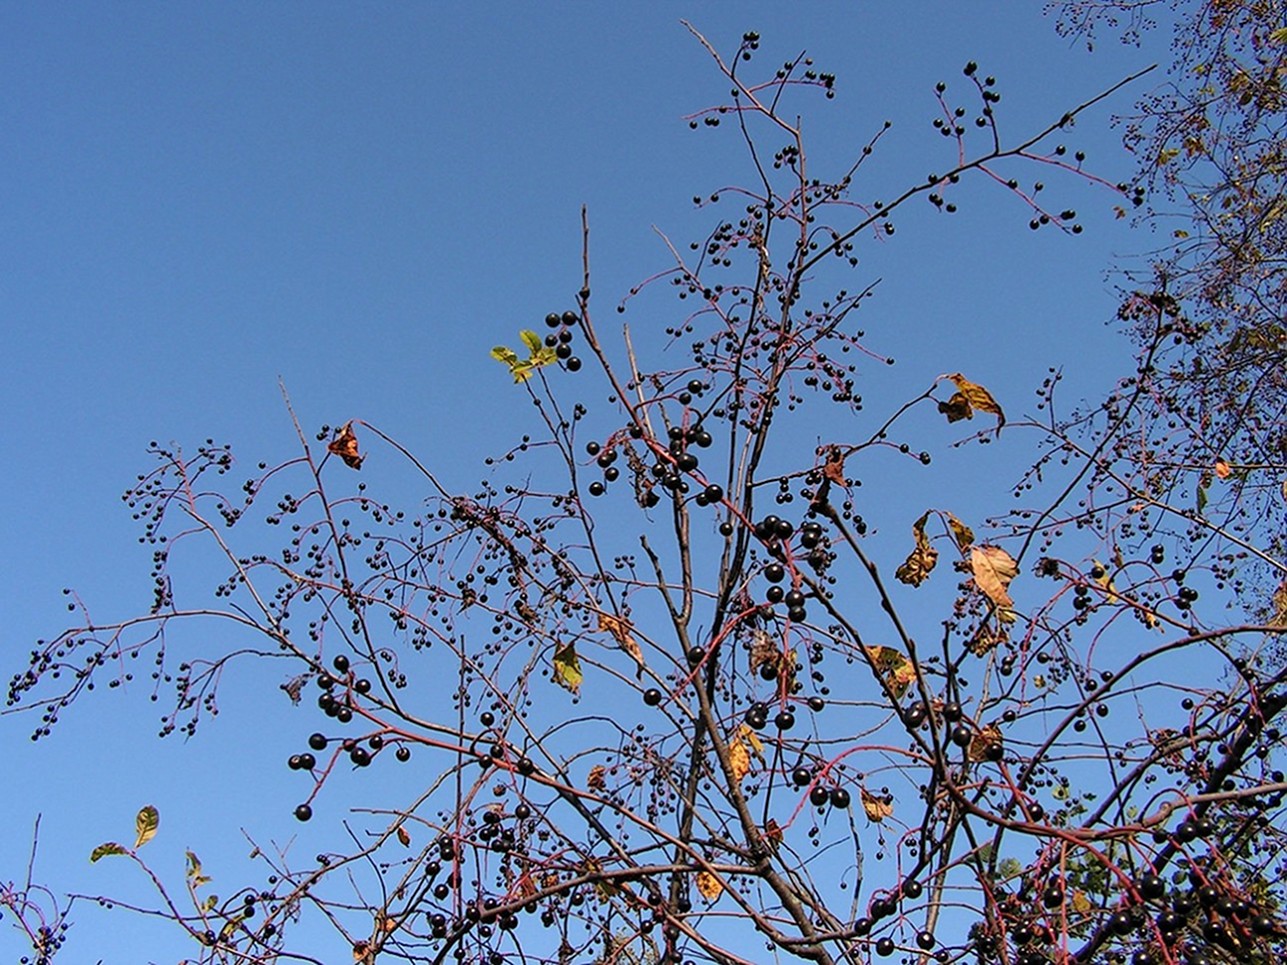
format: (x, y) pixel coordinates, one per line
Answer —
(360, 200)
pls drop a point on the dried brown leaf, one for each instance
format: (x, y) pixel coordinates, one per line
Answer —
(916, 569)
(993, 569)
(968, 397)
(877, 808)
(620, 630)
(345, 445)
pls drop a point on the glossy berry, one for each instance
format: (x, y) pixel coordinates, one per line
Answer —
(403, 754)
(839, 798)
(317, 742)
(652, 697)
(885, 947)
(303, 812)
(925, 940)
(819, 795)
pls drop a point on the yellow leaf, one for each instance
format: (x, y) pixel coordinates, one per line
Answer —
(145, 823)
(1080, 903)
(741, 746)
(531, 340)
(877, 808)
(708, 886)
(1222, 469)
(963, 535)
(103, 850)
(897, 670)
(993, 570)
(567, 668)
(620, 630)
(916, 569)
(968, 397)
(739, 759)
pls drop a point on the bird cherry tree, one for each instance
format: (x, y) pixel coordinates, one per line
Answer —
(666, 696)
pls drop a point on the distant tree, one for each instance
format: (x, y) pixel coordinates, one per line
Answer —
(668, 695)
(1211, 144)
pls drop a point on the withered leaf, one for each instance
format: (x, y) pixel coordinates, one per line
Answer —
(620, 631)
(739, 759)
(877, 808)
(595, 779)
(708, 886)
(345, 445)
(741, 746)
(986, 639)
(993, 569)
(916, 569)
(834, 467)
(983, 746)
(897, 670)
(963, 535)
(773, 833)
(1222, 469)
(968, 397)
(404, 836)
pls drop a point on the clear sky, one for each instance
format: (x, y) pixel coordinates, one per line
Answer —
(361, 199)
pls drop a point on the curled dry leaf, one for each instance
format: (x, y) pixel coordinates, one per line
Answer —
(345, 445)
(404, 836)
(595, 779)
(968, 397)
(620, 630)
(877, 807)
(993, 570)
(963, 535)
(916, 569)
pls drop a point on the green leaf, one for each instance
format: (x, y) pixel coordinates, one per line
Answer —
(146, 823)
(193, 873)
(532, 341)
(507, 355)
(209, 903)
(567, 668)
(103, 850)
